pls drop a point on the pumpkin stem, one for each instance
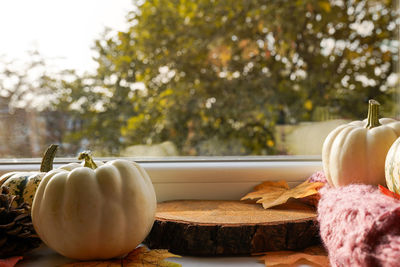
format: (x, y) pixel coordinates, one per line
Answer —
(87, 156)
(373, 114)
(47, 161)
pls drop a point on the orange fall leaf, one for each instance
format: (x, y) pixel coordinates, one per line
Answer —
(388, 193)
(139, 257)
(10, 262)
(313, 256)
(271, 194)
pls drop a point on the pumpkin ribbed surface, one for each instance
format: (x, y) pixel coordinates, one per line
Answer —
(95, 213)
(392, 167)
(354, 154)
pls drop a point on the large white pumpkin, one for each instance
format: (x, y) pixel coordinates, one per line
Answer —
(97, 213)
(356, 152)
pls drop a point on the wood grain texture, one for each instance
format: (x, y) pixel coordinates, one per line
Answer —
(217, 227)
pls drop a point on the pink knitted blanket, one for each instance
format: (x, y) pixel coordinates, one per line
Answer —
(359, 226)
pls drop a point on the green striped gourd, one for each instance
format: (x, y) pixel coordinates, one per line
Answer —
(392, 167)
(24, 184)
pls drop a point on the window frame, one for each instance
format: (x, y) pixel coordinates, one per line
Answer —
(223, 178)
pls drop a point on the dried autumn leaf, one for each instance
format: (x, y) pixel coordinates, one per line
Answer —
(272, 194)
(313, 256)
(388, 193)
(149, 258)
(139, 257)
(10, 262)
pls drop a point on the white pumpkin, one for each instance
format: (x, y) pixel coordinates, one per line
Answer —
(96, 213)
(356, 152)
(392, 167)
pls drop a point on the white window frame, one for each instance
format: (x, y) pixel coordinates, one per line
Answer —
(224, 178)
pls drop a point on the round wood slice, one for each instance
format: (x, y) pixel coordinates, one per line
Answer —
(214, 227)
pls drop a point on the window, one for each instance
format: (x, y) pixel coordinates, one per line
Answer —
(192, 78)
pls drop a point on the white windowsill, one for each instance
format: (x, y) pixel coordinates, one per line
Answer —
(205, 178)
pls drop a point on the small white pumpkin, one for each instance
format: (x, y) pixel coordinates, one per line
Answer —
(95, 213)
(392, 167)
(356, 152)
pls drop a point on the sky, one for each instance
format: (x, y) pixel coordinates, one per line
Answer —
(61, 30)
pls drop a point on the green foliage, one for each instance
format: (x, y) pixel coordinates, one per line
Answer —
(219, 76)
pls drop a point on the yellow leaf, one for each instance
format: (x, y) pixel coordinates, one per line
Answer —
(149, 258)
(139, 257)
(313, 256)
(271, 194)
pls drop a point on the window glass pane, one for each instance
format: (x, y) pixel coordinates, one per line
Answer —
(191, 78)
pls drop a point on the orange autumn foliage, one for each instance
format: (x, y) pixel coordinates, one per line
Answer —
(139, 257)
(313, 256)
(271, 194)
(10, 262)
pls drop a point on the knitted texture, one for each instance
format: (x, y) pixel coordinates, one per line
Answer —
(318, 177)
(359, 226)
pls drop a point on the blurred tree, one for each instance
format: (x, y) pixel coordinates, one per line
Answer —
(22, 84)
(97, 105)
(215, 77)
(23, 95)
